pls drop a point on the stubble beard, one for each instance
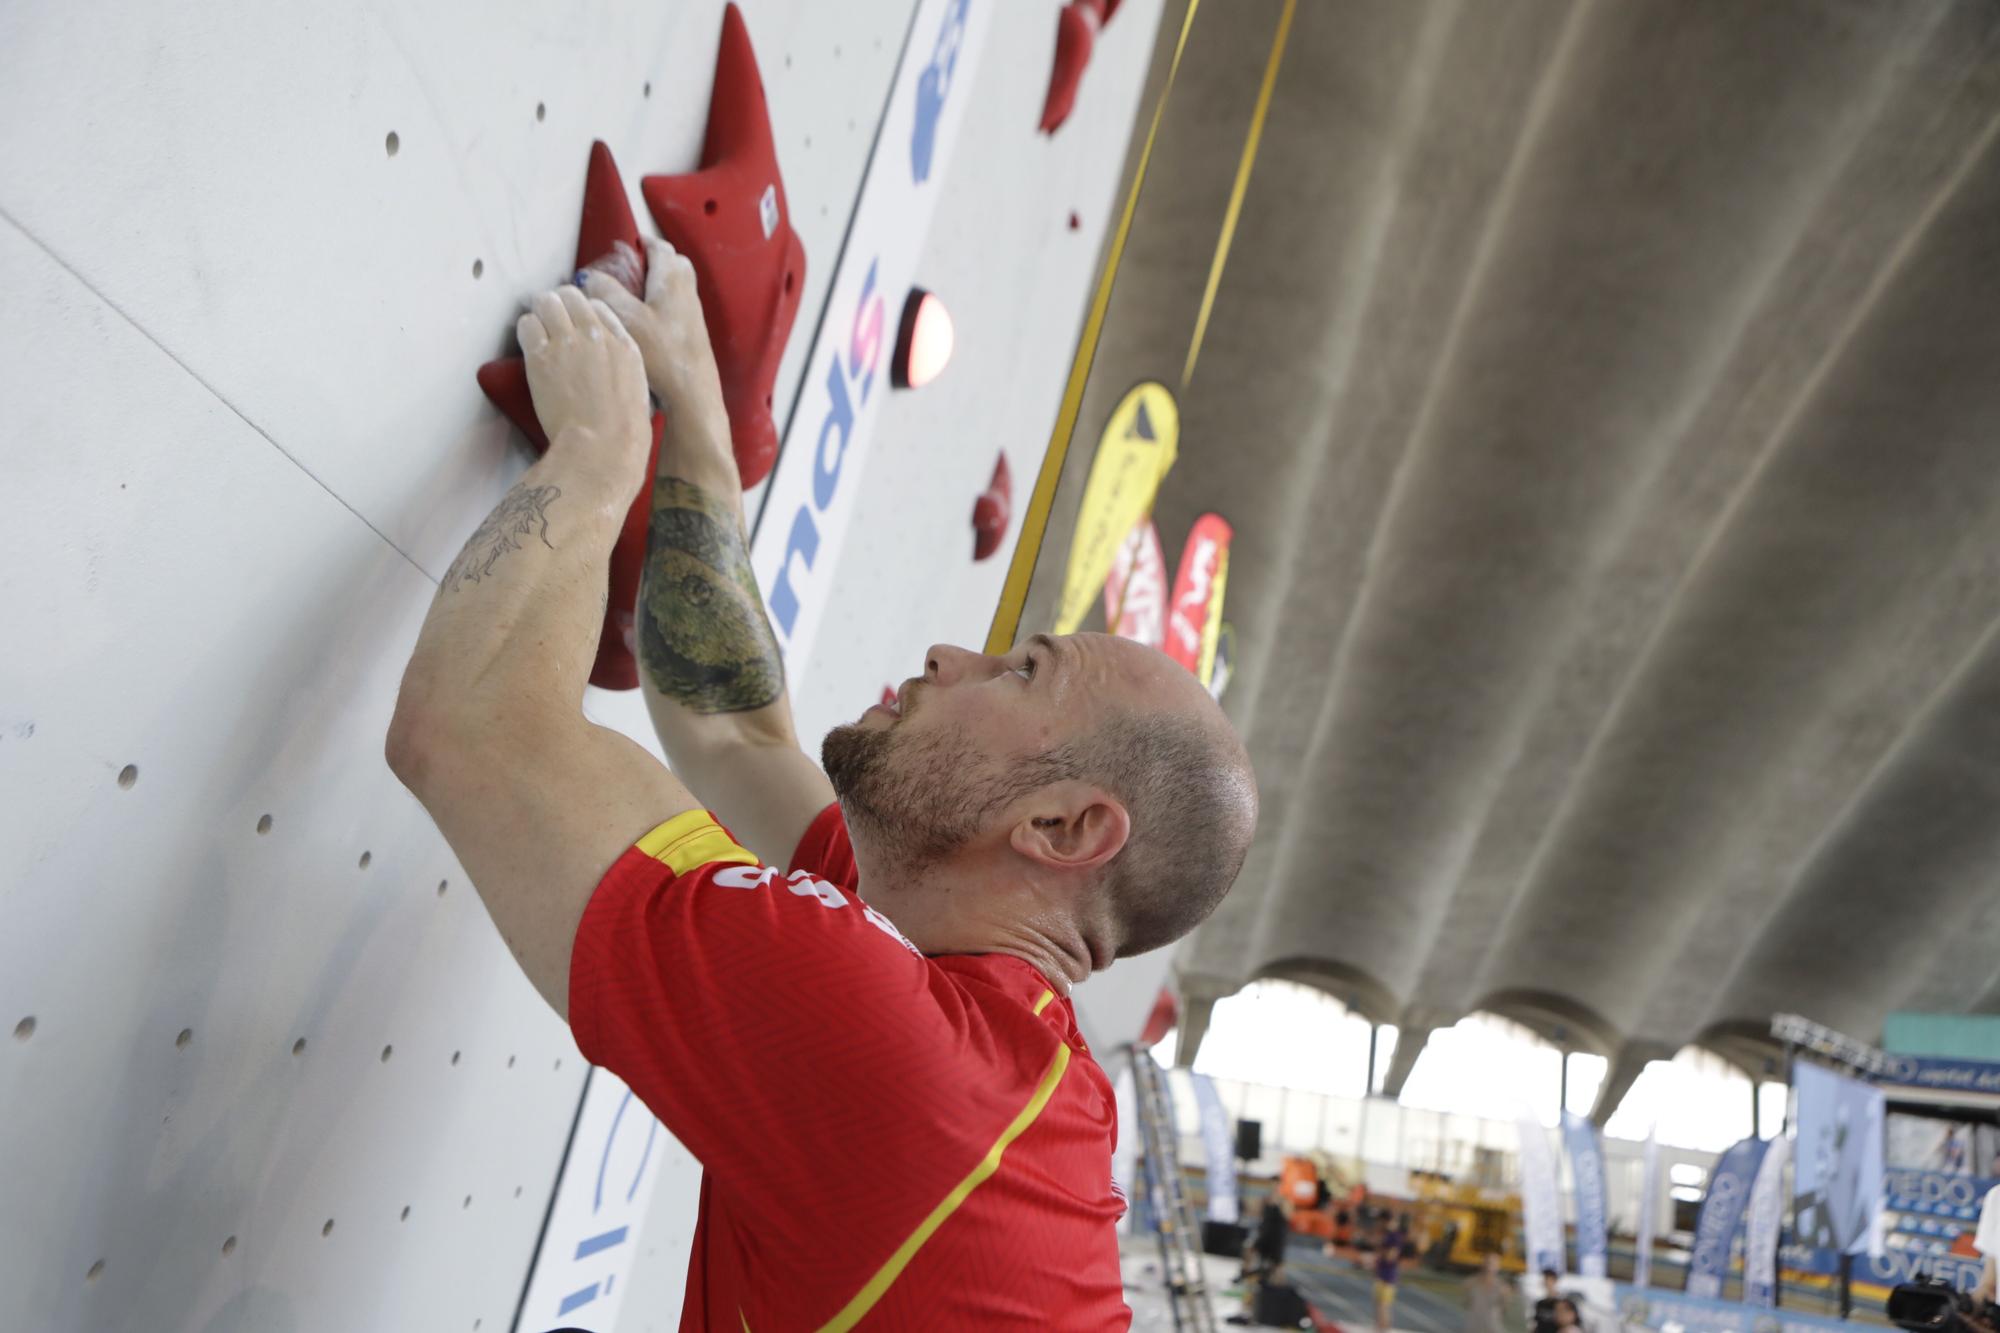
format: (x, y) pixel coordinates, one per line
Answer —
(909, 796)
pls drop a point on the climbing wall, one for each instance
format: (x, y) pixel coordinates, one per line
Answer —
(264, 1063)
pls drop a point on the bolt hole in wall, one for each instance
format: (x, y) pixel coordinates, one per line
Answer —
(393, 144)
(128, 775)
(327, 1230)
(25, 1028)
(541, 112)
(264, 824)
(478, 267)
(182, 1042)
(96, 1272)
(229, 1246)
(299, 1046)
(366, 857)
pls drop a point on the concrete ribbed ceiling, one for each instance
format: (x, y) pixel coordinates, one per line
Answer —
(1607, 401)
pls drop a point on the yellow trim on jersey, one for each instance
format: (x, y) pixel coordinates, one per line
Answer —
(885, 1276)
(690, 841)
(1043, 1003)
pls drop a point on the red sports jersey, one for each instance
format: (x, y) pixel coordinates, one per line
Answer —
(890, 1141)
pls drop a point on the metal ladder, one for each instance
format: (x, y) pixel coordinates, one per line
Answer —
(1179, 1229)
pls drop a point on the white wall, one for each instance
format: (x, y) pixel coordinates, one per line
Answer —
(243, 441)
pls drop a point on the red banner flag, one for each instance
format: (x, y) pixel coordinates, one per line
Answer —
(1194, 617)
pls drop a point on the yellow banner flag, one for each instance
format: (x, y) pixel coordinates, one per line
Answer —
(1133, 455)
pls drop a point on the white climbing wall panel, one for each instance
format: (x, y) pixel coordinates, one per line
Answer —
(264, 1063)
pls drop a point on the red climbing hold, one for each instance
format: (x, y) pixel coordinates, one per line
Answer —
(992, 511)
(607, 223)
(1076, 34)
(730, 219)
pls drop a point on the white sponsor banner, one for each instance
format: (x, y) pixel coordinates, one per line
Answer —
(1125, 1152)
(810, 503)
(1541, 1204)
(1649, 1209)
(1767, 1212)
(589, 1244)
(1220, 1149)
(593, 1230)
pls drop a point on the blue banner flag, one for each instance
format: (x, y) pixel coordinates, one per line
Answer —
(1721, 1214)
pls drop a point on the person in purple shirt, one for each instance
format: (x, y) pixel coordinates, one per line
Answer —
(1388, 1266)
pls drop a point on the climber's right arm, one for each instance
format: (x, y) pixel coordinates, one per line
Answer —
(709, 664)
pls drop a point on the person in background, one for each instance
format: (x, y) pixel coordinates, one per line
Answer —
(1267, 1247)
(1388, 1267)
(1951, 1153)
(1543, 1319)
(1340, 1236)
(1485, 1292)
(1568, 1318)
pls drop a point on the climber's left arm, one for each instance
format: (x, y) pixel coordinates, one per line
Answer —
(489, 731)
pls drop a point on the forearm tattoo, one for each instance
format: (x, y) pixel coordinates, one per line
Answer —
(703, 635)
(521, 514)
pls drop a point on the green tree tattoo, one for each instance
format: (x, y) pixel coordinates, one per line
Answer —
(703, 635)
(522, 512)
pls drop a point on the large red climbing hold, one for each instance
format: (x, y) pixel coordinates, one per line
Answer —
(992, 511)
(1076, 35)
(607, 225)
(730, 219)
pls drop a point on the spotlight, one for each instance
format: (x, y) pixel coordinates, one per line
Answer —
(923, 341)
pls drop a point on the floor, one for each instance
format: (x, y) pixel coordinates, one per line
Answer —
(1336, 1288)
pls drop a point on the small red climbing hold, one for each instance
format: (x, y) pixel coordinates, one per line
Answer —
(730, 219)
(992, 511)
(1076, 35)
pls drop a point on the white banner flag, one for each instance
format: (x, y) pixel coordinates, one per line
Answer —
(1541, 1204)
(1219, 1150)
(1125, 1151)
(1760, 1239)
(1649, 1209)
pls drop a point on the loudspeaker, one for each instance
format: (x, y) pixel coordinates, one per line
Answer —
(1249, 1139)
(1224, 1238)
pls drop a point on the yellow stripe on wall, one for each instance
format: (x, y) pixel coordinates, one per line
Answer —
(1035, 519)
(885, 1276)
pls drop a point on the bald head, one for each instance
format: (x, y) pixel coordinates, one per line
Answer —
(989, 753)
(1165, 750)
